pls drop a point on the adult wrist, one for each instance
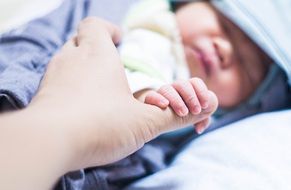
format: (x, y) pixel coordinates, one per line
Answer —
(52, 134)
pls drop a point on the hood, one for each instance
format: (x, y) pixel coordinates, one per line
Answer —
(266, 22)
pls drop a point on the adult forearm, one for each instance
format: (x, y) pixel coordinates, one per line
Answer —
(34, 150)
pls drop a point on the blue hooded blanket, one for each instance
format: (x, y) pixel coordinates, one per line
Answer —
(266, 22)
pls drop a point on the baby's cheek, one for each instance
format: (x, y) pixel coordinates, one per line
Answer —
(229, 88)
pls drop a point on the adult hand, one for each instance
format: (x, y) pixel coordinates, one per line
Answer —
(85, 89)
(83, 115)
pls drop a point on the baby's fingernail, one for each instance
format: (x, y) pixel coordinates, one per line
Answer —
(164, 102)
(196, 109)
(200, 130)
(183, 111)
(205, 105)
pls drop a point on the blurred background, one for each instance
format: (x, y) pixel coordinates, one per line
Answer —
(8, 8)
(14, 12)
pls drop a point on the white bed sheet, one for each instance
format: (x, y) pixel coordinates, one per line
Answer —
(254, 153)
(22, 11)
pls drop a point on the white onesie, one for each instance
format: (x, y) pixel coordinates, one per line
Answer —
(151, 48)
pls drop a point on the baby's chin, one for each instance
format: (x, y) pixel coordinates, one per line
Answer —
(228, 99)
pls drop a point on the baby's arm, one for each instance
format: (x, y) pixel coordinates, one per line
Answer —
(183, 97)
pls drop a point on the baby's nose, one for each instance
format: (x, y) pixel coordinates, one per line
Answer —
(224, 50)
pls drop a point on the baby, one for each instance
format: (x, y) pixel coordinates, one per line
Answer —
(163, 40)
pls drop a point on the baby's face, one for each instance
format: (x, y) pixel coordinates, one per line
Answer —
(220, 53)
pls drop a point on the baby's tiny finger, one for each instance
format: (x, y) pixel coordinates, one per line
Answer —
(202, 125)
(201, 91)
(186, 90)
(176, 102)
(156, 99)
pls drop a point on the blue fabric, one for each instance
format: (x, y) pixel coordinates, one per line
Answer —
(25, 51)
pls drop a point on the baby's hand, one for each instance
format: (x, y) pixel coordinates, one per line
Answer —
(183, 96)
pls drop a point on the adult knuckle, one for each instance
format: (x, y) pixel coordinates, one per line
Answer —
(90, 20)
